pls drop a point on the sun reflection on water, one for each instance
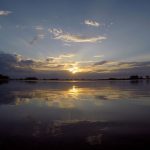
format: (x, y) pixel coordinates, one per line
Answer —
(72, 96)
(74, 91)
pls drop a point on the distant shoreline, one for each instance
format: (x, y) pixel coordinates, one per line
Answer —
(32, 78)
(78, 79)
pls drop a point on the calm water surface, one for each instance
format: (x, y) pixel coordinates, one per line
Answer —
(73, 115)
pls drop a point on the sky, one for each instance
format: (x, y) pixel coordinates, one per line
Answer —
(74, 38)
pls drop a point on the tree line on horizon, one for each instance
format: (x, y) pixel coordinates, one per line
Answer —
(132, 77)
(4, 77)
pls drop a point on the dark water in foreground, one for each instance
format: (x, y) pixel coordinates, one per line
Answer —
(75, 115)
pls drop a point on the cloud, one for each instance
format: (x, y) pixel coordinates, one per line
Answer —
(39, 35)
(79, 39)
(4, 13)
(17, 66)
(67, 55)
(101, 62)
(15, 62)
(67, 37)
(91, 23)
(98, 56)
(116, 66)
(67, 44)
(38, 28)
(61, 58)
(112, 66)
(36, 38)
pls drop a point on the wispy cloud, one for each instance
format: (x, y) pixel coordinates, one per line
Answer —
(116, 66)
(36, 38)
(67, 44)
(38, 28)
(98, 56)
(67, 55)
(101, 63)
(67, 37)
(39, 35)
(92, 23)
(61, 57)
(4, 13)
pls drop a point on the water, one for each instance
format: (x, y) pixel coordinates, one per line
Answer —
(71, 115)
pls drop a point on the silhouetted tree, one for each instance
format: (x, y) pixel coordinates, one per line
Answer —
(112, 79)
(135, 77)
(31, 78)
(140, 77)
(2, 77)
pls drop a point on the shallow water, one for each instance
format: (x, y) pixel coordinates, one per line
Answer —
(71, 115)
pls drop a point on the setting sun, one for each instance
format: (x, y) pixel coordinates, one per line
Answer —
(74, 70)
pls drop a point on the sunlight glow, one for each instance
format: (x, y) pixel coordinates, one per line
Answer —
(74, 69)
(74, 90)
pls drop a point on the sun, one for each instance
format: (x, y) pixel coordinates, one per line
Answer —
(74, 70)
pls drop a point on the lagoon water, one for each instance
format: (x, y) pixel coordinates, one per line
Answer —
(74, 114)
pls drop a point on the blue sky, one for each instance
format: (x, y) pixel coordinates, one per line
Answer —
(76, 34)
